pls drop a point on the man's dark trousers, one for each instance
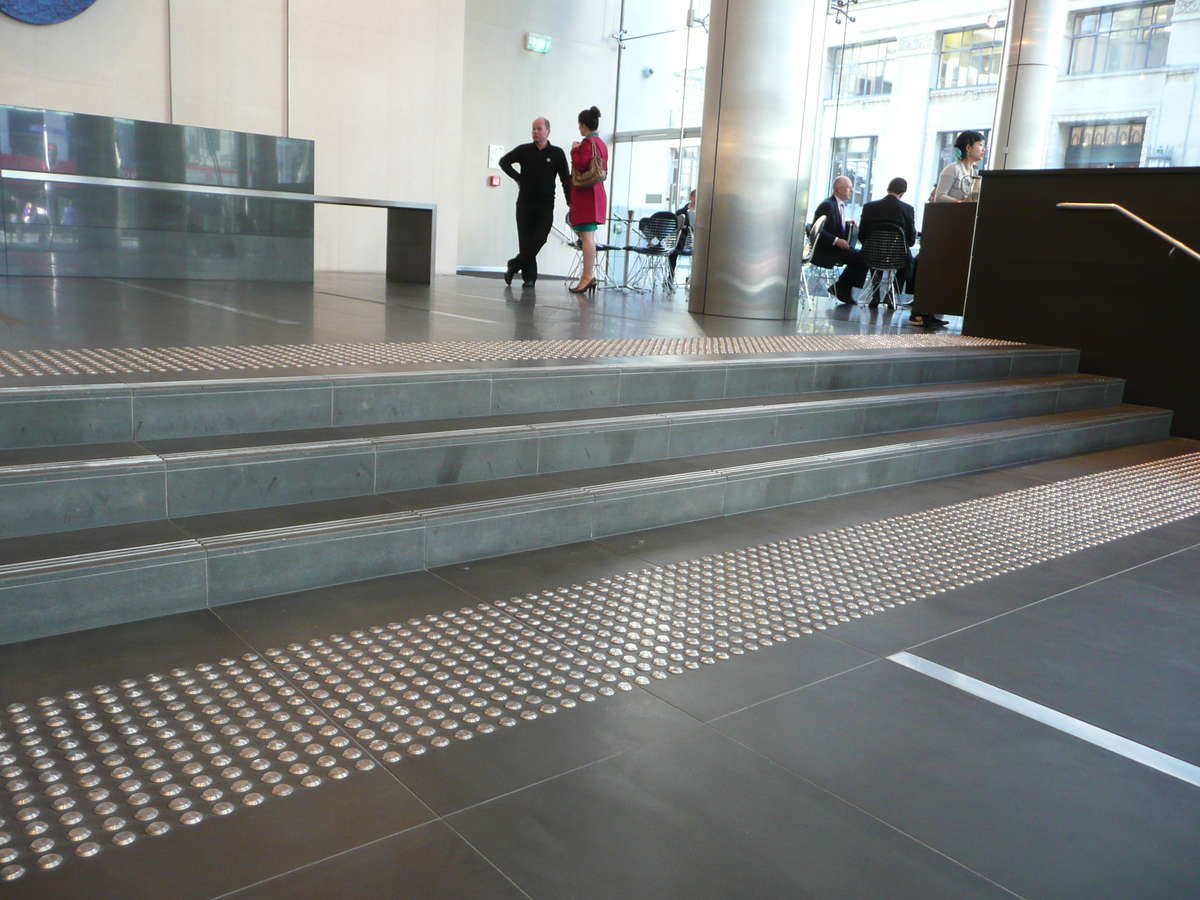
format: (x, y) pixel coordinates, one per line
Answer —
(533, 227)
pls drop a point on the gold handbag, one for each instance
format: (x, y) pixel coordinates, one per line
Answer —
(593, 174)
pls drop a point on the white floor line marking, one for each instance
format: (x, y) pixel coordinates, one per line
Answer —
(1114, 743)
(210, 303)
(437, 312)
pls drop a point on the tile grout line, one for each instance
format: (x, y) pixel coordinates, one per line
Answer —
(1052, 718)
(793, 690)
(792, 773)
(316, 862)
(1047, 598)
(437, 817)
(462, 837)
(768, 636)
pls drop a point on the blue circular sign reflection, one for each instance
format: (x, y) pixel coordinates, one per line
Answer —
(44, 12)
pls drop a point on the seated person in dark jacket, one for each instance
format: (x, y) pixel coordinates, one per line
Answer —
(685, 232)
(833, 243)
(891, 210)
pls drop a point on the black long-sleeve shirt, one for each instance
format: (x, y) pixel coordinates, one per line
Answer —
(538, 171)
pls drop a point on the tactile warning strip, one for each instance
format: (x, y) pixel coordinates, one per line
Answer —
(665, 620)
(143, 360)
(105, 767)
(114, 764)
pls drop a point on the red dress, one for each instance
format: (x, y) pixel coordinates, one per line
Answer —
(588, 204)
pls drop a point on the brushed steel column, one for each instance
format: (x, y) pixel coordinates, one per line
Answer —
(759, 93)
(1036, 35)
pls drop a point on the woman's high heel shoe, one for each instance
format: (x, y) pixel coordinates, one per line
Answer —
(589, 288)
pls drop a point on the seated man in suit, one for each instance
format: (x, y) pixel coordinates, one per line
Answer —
(833, 243)
(891, 210)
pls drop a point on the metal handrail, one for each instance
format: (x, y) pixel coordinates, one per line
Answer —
(1175, 243)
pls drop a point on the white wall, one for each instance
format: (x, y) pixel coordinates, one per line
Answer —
(377, 84)
(505, 87)
(111, 60)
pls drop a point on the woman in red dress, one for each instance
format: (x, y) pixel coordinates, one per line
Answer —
(589, 205)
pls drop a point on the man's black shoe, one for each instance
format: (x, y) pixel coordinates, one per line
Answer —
(509, 272)
(527, 284)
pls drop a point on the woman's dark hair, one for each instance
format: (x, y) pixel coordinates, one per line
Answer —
(965, 140)
(590, 118)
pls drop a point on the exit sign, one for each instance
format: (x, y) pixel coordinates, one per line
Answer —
(538, 43)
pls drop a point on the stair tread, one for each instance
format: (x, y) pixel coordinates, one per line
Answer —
(89, 540)
(116, 451)
(94, 540)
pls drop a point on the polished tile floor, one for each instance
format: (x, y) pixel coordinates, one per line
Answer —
(39, 313)
(500, 728)
(708, 710)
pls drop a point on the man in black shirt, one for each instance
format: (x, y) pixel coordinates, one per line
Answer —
(540, 165)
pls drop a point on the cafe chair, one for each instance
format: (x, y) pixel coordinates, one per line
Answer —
(884, 252)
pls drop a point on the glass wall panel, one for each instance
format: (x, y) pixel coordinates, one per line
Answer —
(660, 104)
(1127, 91)
(899, 84)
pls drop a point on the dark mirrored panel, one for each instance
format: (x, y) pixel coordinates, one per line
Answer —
(99, 230)
(42, 140)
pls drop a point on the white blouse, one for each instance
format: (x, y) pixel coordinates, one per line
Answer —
(956, 182)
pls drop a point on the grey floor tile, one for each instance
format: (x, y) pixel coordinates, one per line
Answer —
(698, 816)
(276, 621)
(672, 543)
(221, 855)
(509, 576)
(937, 615)
(429, 861)
(728, 685)
(252, 843)
(465, 774)
(1119, 654)
(54, 665)
(1043, 813)
(1088, 463)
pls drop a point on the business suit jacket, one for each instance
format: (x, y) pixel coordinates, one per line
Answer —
(892, 210)
(825, 254)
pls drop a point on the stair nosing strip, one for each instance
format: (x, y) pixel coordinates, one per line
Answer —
(98, 557)
(419, 517)
(957, 390)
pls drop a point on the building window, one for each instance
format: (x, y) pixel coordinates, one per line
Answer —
(945, 148)
(1120, 38)
(970, 57)
(1105, 145)
(854, 157)
(862, 70)
(685, 175)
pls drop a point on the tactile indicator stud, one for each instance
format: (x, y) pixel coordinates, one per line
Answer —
(106, 766)
(96, 770)
(148, 360)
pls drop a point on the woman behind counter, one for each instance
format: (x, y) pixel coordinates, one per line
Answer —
(956, 184)
(589, 205)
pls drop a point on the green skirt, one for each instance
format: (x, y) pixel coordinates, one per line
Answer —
(586, 226)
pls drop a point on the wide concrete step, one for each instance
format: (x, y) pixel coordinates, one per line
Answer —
(56, 583)
(154, 409)
(56, 489)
